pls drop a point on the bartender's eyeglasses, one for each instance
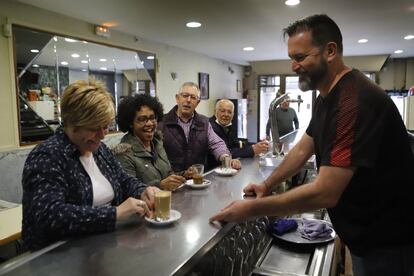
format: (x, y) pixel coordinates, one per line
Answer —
(143, 120)
(192, 97)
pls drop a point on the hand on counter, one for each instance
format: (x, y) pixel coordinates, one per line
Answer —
(235, 164)
(258, 190)
(237, 211)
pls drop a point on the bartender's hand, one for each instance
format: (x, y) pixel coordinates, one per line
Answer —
(261, 147)
(130, 207)
(236, 211)
(172, 182)
(149, 196)
(235, 164)
(258, 190)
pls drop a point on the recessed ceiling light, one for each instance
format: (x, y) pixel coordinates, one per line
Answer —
(34, 50)
(64, 63)
(85, 42)
(249, 48)
(70, 40)
(55, 38)
(103, 68)
(35, 65)
(142, 62)
(84, 70)
(408, 37)
(75, 55)
(84, 61)
(363, 40)
(150, 57)
(102, 59)
(398, 51)
(193, 24)
(292, 2)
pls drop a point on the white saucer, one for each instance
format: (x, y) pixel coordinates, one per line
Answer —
(191, 184)
(174, 216)
(225, 172)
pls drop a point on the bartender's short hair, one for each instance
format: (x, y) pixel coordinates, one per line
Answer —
(87, 104)
(322, 28)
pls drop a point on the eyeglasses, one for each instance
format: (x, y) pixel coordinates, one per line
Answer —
(143, 120)
(192, 97)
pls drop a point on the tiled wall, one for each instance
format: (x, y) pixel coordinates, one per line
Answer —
(11, 168)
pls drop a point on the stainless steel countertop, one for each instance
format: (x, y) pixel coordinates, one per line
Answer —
(138, 248)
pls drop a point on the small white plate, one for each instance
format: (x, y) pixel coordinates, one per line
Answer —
(174, 216)
(226, 172)
(191, 184)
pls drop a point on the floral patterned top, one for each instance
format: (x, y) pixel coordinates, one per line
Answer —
(58, 196)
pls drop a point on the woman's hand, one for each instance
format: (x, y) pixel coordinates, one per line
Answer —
(149, 196)
(172, 182)
(130, 207)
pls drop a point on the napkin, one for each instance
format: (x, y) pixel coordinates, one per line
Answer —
(313, 229)
(282, 226)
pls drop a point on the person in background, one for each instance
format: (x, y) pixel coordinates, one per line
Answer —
(72, 183)
(188, 135)
(221, 123)
(141, 151)
(364, 161)
(287, 120)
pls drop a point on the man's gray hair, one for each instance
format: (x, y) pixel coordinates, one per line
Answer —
(224, 101)
(189, 84)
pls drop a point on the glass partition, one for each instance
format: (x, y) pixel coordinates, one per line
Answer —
(46, 63)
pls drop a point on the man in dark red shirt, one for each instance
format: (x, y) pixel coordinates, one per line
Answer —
(364, 161)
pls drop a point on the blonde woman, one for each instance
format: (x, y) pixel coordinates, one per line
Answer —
(72, 183)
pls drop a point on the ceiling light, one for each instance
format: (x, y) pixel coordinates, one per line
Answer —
(142, 62)
(84, 61)
(363, 40)
(70, 40)
(292, 2)
(103, 68)
(249, 48)
(102, 59)
(35, 65)
(64, 63)
(193, 24)
(408, 37)
(55, 38)
(34, 50)
(398, 51)
(84, 70)
(85, 42)
(150, 57)
(75, 55)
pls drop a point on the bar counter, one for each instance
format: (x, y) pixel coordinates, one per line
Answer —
(139, 248)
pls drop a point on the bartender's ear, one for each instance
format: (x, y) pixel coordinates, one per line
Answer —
(331, 51)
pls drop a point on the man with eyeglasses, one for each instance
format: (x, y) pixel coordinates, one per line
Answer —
(365, 164)
(188, 135)
(221, 123)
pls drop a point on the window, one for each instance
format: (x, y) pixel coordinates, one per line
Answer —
(46, 63)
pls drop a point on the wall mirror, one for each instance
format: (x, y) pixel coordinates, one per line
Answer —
(46, 63)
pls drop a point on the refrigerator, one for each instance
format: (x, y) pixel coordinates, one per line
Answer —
(408, 116)
(240, 117)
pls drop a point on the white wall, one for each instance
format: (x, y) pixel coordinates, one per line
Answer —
(170, 59)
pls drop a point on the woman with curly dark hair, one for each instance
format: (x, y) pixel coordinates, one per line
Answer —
(141, 151)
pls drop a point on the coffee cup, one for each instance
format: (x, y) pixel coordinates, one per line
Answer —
(198, 173)
(162, 205)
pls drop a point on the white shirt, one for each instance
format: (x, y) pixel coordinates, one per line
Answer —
(103, 193)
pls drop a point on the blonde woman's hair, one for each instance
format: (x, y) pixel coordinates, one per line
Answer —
(87, 104)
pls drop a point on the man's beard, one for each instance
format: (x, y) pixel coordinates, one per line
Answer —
(310, 80)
